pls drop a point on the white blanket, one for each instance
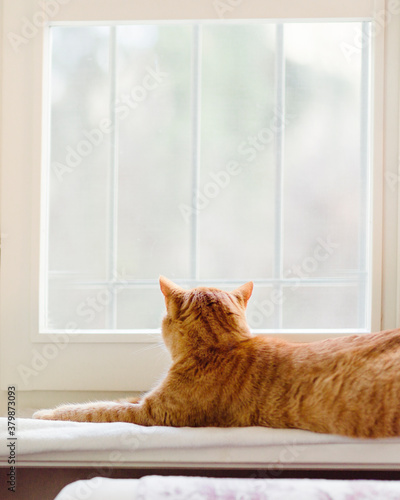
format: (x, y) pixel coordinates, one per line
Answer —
(38, 436)
(57, 441)
(197, 488)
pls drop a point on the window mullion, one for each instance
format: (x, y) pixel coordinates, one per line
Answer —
(112, 201)
(364, 167)
(196, 122)
(280, 97)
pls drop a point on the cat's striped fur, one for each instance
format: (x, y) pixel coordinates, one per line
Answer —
(221, 375)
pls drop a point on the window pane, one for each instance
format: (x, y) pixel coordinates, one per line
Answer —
(237, 174)
(79, 93)
(318, 307)
(213, 154)
(324, 178)
(133, 308)
(154, 150)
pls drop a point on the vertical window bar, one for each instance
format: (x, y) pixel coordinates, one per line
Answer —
(363, 319)
(112, 202)
(280, 91)
(196, 102)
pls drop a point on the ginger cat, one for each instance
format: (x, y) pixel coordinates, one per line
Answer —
(223, 376)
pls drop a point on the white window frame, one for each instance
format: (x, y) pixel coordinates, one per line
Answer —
(104, 361)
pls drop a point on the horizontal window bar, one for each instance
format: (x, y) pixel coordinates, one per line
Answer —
(346, 280)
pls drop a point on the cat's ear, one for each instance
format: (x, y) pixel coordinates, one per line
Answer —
(244, 292)
(167, 286)
(172, 295)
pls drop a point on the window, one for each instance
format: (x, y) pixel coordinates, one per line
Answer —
(290, 145)
(213, 153)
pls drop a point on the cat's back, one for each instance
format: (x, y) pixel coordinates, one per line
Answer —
(231, 384)
(378, 351)
(350, 385)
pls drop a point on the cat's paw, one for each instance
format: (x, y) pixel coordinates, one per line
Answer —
(45, 415)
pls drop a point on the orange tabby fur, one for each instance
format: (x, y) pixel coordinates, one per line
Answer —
(221, 375)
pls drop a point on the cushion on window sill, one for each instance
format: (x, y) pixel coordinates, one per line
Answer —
(122, 444)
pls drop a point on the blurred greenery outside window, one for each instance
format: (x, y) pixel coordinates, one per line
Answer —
(213, 154)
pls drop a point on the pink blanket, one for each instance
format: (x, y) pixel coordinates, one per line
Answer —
(161, 488)
(198, 488)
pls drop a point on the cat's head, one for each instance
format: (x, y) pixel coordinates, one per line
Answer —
(203, 317)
